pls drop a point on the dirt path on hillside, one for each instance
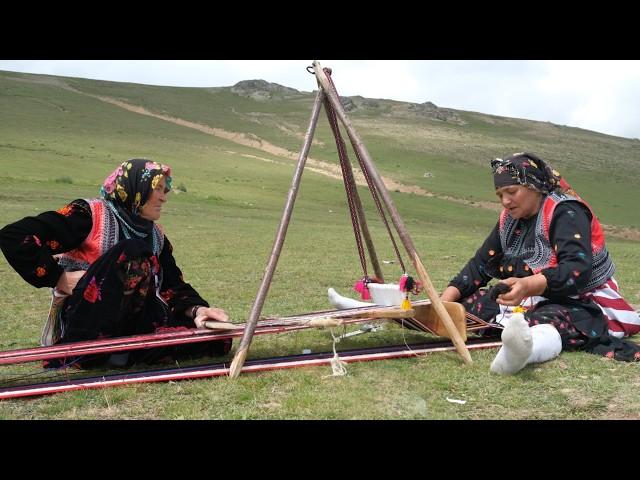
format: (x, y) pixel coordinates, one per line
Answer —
(253, 141)
(315, 165)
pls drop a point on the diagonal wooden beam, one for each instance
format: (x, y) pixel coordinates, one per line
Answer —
(250, 327)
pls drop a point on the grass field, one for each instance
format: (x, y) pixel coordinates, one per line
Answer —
(57, 145)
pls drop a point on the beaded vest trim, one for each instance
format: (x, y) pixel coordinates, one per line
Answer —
(104, 235)
(541, 254)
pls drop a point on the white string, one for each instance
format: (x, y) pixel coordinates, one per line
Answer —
(404, 338)
(338, 367)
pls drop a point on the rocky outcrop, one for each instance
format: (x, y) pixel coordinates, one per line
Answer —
(358, 102)
(348, 104)
(432, 111)
(262, 90)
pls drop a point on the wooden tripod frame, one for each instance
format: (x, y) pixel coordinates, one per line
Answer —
(327, 94)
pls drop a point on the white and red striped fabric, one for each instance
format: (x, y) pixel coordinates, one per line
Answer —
(623, 320)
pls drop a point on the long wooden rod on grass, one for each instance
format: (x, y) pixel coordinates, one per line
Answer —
(329, 318)
(249, 329)
(220, 369)
(393, 212)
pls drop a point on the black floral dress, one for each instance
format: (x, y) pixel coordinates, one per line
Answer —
(118, 295)
(578, 319)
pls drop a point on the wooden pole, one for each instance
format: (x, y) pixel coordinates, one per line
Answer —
(250, 327)
(348, 177)
(395, 217)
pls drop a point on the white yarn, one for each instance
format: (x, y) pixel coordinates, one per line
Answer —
(338, 367)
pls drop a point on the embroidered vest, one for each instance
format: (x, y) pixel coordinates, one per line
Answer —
(104, 234)
(542, 254)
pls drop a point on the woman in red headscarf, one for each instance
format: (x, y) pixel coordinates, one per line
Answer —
(548, 252)
(109, 264)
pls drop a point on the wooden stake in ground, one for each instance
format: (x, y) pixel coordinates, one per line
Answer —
(250, 327)
(397, 221)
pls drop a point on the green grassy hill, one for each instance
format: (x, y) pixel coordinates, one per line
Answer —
(45, 115)
(233, 150)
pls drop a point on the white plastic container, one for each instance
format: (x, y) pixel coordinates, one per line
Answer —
(387, 294)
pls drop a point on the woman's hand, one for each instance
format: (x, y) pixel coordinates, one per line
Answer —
(450, 294)
(68, 281)
(204, 314)
(522, 288)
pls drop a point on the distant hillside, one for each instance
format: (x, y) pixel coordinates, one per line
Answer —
(421, 148)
